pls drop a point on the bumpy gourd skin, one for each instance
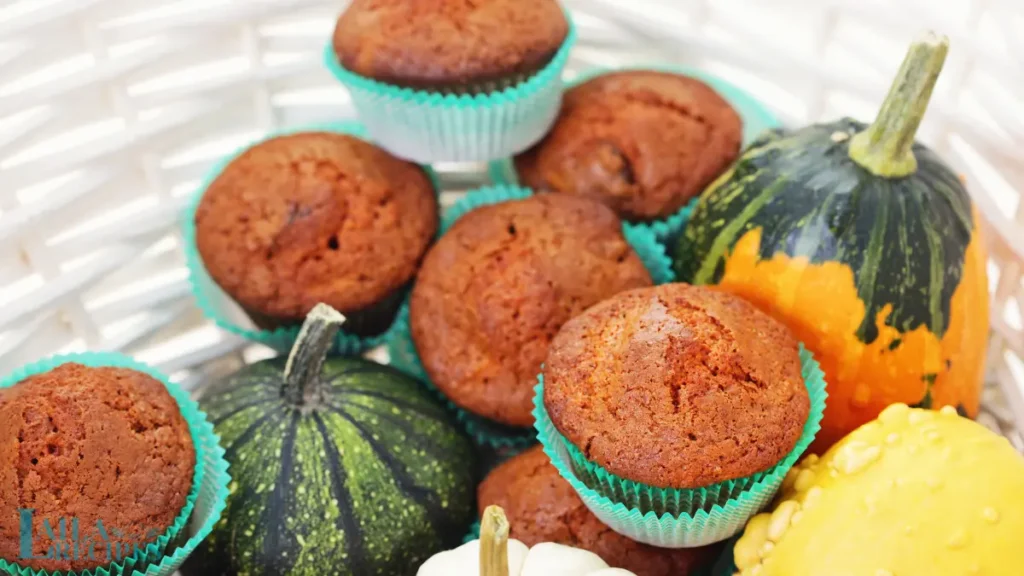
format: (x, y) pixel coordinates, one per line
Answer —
(915, 492)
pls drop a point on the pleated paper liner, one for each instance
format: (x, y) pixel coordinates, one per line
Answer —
(677, 518)
(225, 312)
(756, 119)
(402, 350)
(465, 124)
(204, 503)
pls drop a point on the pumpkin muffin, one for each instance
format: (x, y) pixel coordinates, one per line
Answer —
(317, 217)
(92, 444)
(542, 507)
(677, 386)
(449, 44)
(499, 284)
(643, 142)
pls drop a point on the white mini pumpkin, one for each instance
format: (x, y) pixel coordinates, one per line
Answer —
(494, 554)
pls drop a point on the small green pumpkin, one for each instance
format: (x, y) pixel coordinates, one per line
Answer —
(339, 466)
(866, 244)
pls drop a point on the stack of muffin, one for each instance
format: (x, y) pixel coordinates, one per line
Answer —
(667, 414)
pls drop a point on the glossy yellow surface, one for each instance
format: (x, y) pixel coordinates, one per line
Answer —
(913, 493)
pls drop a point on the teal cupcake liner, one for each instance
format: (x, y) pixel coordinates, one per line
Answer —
(677, 518)
(402, 349)
(205, 501)
(756, 119)
(432, 126)
(225, 312)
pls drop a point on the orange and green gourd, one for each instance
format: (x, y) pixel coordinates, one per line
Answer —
(338, 465)
(866, 244)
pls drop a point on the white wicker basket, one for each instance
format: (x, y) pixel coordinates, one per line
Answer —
(111, 110)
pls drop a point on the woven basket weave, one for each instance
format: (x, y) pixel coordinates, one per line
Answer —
(111, 111)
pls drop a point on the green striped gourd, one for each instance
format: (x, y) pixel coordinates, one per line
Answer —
(339, 466)
(866, 244)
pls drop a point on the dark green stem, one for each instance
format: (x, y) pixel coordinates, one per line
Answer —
(884, 148)
(302, 385)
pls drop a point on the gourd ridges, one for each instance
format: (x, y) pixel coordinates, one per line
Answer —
(903, 238)
(348, 479)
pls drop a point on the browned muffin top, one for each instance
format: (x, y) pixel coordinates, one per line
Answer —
(315, 217)
(94, 444)
(677, 386)
(445, 43)
(542, 507)
(499, 284)
(643, 142)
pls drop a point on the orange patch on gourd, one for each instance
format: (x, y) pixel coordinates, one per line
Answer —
(819, 303)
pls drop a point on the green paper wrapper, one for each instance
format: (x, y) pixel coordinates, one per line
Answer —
(402, 350)
(205, 501)
(224, 311)
(676, 518)
(756, 119)
(424, 126)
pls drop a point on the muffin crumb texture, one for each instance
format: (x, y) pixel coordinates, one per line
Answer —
(92, 444)
(315, 217)
(542, 507)
(643, 142)
(677, 386)
(438, 44)
(499, 284)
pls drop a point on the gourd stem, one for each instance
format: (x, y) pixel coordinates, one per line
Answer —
(885, 147)
(302, 386)
(494, 542)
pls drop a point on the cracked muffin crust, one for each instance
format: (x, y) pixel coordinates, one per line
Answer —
(317, 217)
(94, 444)
(499, 284)
(677, 386)
(542, 507)
(448, 43)
(643, 142)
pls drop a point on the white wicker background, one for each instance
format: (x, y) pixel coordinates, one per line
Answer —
(112, 110)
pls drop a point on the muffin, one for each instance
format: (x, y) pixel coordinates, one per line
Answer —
(449, 46)
(316, 217)
(643, 142)
(913, 492)
(92, 445)
(542, 507)
(677, 386)
(499, 284)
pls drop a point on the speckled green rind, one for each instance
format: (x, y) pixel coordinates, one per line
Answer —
(677, 518)
(218, 306)
(756, 119)
(402, 350)
(372, 480)
(905, 239)
(209, 481)
(428, 127)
